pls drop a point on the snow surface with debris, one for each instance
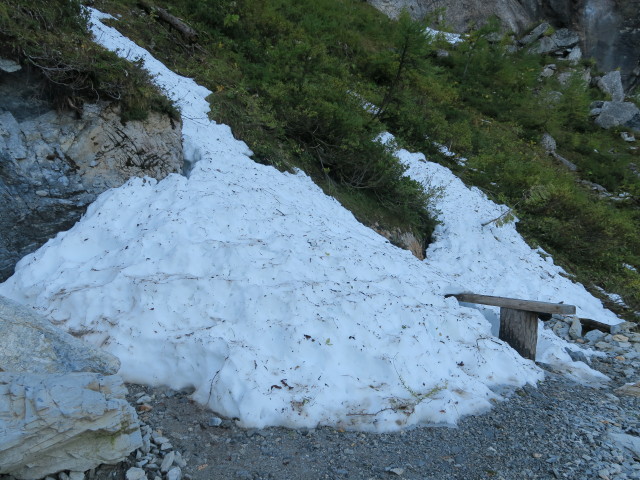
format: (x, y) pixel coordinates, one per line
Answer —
(275, 304)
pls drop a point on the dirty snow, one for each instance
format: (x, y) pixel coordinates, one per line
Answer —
(275, 304)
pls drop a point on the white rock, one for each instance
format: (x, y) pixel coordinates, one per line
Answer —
(167, 462)
(76, 475)
(56, 422)
(136, 474)
(174, 474)
(630, 442)
(575, 331)
(29, 343)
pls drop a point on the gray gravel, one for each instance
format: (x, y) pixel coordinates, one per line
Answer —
(558, 429)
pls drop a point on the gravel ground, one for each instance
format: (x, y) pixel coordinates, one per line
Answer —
(558, 430)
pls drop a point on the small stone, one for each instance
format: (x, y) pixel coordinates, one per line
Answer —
(179, 461)
(42, 193)
(575, 331)
(143, 399)
(537, 455)
(166, 446)
(144, 408)
(397, 471)
(594, 336)
(215, 422)
(620, 338)
(627, 137)
(76, 475)
(620, 358)
(167, 462)
(604, 346)
(158, 439)
(135, 473)
(630, 389)
(63, 476)
(174, 474)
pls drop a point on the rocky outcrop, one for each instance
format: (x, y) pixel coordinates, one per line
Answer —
(60, 406)
(460, 16)
(73, 421)
(405, 240)
(609, 30)
(54, 164)
(615, 114)
(30, 344)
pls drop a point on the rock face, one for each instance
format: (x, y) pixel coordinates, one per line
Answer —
(54, 164)
(73, 421)
(30, 344)
(60, 406)
(609, 29)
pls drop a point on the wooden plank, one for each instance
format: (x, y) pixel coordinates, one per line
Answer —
(516, 304)
(595, 325)
(519, 328)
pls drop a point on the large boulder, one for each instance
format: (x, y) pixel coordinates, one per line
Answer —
(560, 40)
(611, 84)
(53, 163)
(614, 114)
(30, 344)
(74, 421)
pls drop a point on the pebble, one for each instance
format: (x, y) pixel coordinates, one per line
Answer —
(135, 473)
(167, 462)
(215, 422)
(174, 474)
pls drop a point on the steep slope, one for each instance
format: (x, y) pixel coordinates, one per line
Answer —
(271, 300)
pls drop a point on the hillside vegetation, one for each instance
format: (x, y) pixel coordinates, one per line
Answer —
(297, 80)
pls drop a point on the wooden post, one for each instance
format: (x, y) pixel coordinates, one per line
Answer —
(519, 328)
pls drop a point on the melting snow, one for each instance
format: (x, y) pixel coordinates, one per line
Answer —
(271, 300)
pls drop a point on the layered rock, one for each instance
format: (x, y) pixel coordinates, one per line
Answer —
(73, 421)
(60, 406)
(54, 164)
(30, 344)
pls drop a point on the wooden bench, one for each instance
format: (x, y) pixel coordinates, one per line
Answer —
(518, 319)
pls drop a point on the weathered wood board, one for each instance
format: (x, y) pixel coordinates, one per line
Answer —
(517, 304)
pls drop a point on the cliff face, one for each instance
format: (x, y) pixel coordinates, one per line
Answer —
(609, 29)
(54, 164)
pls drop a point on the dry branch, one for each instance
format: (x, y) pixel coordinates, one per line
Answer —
(185, 30)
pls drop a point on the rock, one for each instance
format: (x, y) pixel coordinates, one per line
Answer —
(135, 473)
(620, 338)
(574, 56)
(29, 343)
(53, 164)
(215, 422)
(76, 475)
(594, 336)
(629, 389)
(575, 331)
(167, 462)
(630, 442)
(9, 66)
(577, 355)
(406, 240)
(627, 137)
(548, 143)
(548, 71)
(604, 346)
(611, 84)
(560, 40)
(55, 422)
(614, 114)
(174, 474)
(535, 34)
